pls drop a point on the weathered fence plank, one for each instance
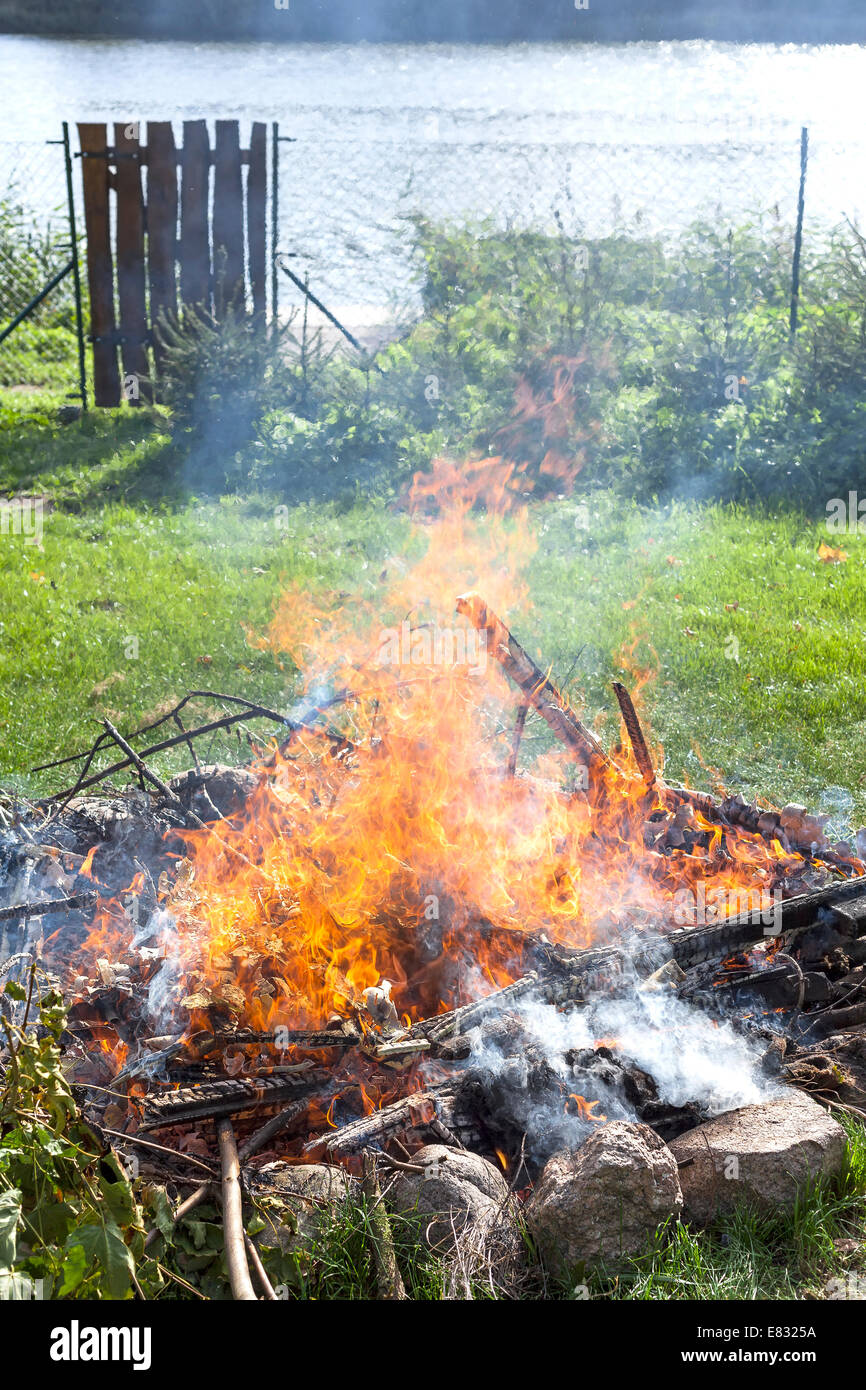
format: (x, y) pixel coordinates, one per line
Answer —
(257, 183)
(94, 177)
(130, 263)
(162, 244)
(195, 279)
(174, 244)
(228, 219)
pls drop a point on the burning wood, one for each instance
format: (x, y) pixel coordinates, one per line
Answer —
(539, 691)
(215, 1098)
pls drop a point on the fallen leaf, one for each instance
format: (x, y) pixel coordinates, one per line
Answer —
(830, 555)
(196, 1001)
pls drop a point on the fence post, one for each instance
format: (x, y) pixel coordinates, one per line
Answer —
(798, 236)
(76, 273)
(93, 138)
(275, 211)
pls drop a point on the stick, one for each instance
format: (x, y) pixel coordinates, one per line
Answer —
(261, 1272)
(635, 733)
(519, 723)
(187, 1205)
(389, 1280)
(538, 690)
(25, 910)
(233, 1216)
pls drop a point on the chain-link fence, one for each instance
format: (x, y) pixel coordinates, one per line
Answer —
(36, 250)
(347, 206)
(348, 201)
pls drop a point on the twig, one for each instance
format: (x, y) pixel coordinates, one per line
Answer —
(250, 710)
(187, 1205)
(233, 1216)
(161, 1148)
(261, 1272)
(635, 733)
(389, 1280)
(191, 1288)
(190, 745)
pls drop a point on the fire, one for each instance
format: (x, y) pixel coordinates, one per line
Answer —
(408, 853)
(576, 1105)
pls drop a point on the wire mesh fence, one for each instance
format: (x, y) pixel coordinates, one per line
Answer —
(348, 207)
(349, 202)
(35, 246)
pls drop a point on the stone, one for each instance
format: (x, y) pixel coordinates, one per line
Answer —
(216, 787)
(304, 1193)
(457, 1189)
(762, 1154)
(596, 1205)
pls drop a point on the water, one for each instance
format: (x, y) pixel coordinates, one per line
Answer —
(642, 134)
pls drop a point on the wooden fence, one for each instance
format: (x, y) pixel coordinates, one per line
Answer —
(181, 237)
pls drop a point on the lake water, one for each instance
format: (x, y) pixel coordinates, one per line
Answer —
(607, 135)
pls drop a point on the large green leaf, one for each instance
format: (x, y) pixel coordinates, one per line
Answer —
(104, 1244)
(10, 1214)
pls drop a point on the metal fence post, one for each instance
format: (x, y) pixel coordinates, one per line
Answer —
(76, 276)
(275, 210)
(798, 236)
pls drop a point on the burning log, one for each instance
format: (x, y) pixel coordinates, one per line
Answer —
(635, 733)
(220, 1098)
(793, 915)
(436, 1030)
(792, 826)
(415, 1111)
